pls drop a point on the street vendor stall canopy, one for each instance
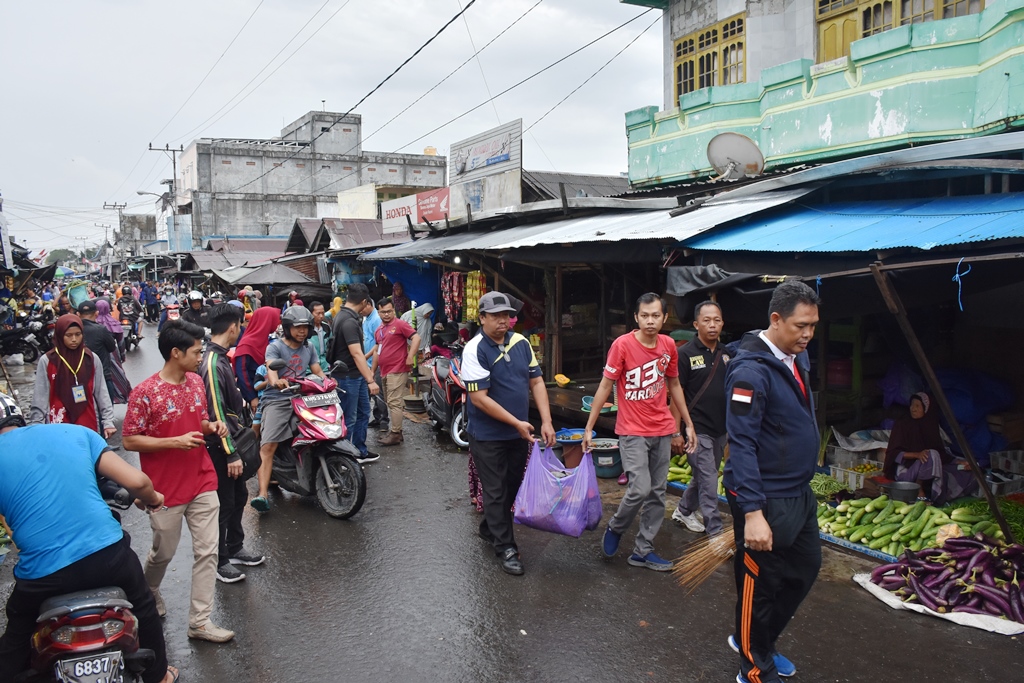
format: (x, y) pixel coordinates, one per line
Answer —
(270, 274)
(871, 226)
(603, 228)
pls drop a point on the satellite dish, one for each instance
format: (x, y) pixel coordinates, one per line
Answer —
(735, 156)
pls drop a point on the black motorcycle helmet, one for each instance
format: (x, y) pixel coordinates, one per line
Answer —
(293, 317)
(126, 291)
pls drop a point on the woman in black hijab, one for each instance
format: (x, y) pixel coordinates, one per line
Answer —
(916, 451)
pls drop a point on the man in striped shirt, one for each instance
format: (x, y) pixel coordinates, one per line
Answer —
(226, 405)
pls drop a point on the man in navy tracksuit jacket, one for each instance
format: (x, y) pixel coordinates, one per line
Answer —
(773, 448)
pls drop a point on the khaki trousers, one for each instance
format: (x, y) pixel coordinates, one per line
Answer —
(394, 395)
(202, 515)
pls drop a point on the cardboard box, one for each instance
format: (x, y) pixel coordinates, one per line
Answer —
(1010, 425)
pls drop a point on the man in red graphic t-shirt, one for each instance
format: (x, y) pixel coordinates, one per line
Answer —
(165, 423)
(394, 355)
(643, 365)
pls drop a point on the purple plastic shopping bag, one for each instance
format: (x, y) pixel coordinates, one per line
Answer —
(556, 499)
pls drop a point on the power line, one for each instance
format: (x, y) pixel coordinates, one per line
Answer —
(258, 73)
(365, 97)
(278, 67)
(528, 78)
(418, 99)
(503, 92)
(472, 44)
(593, 75)
(196, 89)
(142, 156)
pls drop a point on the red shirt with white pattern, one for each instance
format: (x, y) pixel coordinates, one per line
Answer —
(639, 374)
(163, 410)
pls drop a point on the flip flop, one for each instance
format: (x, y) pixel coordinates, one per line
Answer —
(174, 674)
(260, 504)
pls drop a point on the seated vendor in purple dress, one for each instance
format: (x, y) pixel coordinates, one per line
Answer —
(917, 453)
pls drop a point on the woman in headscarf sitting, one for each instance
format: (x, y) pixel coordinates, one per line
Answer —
(916, 451)
(70, 387)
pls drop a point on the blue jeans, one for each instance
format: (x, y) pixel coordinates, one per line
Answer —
(356, 404)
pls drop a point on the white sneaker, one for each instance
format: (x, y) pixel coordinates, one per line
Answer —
(690, 521)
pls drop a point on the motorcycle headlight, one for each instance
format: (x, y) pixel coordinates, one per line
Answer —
(333, 431)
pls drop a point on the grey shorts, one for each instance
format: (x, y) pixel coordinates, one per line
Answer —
(276, 424)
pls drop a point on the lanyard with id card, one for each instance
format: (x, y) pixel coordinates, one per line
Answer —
(77, 391)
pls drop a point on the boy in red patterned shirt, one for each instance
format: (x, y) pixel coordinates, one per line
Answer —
(165, 423)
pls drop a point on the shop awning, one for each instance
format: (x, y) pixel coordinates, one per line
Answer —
(874, 226)
(603, 228)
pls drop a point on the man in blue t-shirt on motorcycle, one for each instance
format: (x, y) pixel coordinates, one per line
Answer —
(67, 538)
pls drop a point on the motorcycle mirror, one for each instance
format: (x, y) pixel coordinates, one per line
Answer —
(339, 366)
(276, 364)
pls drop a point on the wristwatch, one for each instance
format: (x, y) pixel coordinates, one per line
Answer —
(677, 434)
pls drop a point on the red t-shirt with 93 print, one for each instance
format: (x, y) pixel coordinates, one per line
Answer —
(639, 374)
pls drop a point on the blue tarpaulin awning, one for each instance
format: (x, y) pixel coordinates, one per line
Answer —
(873, 226)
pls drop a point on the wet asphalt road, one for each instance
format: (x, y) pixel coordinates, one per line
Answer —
(406, 591)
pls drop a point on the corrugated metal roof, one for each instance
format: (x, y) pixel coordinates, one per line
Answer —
(274, 244)
(545, 184)
(219, 260)
(353, 233)
(607, 227)
(870, 226)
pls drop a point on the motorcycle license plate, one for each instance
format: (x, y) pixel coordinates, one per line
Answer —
(102, 667)
(320, 400)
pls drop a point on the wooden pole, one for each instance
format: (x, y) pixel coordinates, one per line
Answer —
(895, 305)
(557, 347)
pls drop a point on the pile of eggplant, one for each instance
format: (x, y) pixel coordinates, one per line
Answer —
(975, 575)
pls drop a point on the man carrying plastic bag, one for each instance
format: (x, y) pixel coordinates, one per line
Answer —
(644, 366)
(501, 372)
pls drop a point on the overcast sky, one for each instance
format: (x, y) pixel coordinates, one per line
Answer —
(88, 85)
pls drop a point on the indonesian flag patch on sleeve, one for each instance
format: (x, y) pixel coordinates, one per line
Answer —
(741, 398)
(742, 395)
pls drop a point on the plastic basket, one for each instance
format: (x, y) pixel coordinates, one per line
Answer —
(1008, 461)
(849, 477)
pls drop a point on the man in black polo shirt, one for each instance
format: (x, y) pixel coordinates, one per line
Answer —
(702, 373)
(501, 371)
(357, 384)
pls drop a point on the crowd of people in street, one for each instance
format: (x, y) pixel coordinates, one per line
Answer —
(219, 398)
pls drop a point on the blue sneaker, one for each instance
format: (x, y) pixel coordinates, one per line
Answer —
(783, 666)
(610, 542)
(650, 561)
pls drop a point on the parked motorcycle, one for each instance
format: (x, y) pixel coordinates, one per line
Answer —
(89, 636)
(22, 340)
(319, 461)
(446, 401)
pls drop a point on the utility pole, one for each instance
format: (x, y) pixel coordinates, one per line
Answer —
(173, 189)
(120, 229)
(105, 227)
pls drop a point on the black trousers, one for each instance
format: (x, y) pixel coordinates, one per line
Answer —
(152, 312)
(500, 466)
(233, 496)
(115, 565)
(771, 585)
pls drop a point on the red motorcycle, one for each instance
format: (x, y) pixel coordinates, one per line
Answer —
(90, 636)
(319, 461)
(446, 401)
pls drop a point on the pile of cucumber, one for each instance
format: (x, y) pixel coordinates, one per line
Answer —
(891, 527)
(680, 470)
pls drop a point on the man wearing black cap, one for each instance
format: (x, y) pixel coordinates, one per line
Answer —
(501, 372)
(98, 338)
